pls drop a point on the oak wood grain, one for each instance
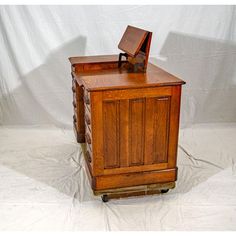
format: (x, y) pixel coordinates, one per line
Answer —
(129, 120)
(132, 40)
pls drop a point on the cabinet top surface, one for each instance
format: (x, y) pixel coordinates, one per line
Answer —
(93, 59)
(121, 79)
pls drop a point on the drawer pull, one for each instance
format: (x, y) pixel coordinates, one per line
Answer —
(88, 156)
(88, 139)
(87, 119)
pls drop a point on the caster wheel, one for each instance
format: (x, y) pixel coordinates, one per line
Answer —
(164, 190)
(105, 198)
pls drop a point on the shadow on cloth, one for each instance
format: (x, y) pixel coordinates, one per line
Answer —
(209, 68)
(44, 95)
(43, 153)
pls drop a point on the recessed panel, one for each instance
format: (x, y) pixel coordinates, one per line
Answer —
(136, 131)
(111, 134)
(161, 129)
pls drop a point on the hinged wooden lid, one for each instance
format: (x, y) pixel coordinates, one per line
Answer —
(135, 43)
(132, 40)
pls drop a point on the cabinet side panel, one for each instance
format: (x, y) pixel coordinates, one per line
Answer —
(161, 129)
(97, 133)
(111, 134)
(136, 132)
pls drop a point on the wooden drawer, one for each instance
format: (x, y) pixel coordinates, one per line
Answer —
(78, 105)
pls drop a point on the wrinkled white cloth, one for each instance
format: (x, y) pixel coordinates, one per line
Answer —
(44, 186)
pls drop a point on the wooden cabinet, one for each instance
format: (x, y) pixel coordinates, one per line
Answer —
(129, 122)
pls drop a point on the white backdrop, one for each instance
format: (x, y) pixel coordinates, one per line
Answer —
(196, 43)
(43, 182)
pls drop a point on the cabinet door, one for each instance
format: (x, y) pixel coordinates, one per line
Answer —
(138, 131)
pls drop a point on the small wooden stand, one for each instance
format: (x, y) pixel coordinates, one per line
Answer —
(136, 45)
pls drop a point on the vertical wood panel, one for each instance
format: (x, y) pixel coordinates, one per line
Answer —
(124, 132)
(161, 129)
(111, 134)
(136, 132)
(149, 132)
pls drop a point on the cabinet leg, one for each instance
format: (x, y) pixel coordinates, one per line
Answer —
(164, 190)
(105, 198)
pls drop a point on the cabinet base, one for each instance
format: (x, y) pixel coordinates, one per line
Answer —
(122, 192)
(135, 191)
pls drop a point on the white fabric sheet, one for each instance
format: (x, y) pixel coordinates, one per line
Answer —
(196, 43)
(44, 186)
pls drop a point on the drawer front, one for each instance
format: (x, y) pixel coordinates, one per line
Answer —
(78, 105)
